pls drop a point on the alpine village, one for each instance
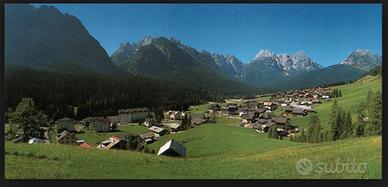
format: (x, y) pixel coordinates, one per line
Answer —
(158, 108)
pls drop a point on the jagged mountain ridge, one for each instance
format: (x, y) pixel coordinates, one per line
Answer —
(289, 64)
(228, 65)
(168, 58)
(363, 59)
(268, 67)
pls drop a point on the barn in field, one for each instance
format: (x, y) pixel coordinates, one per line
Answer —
(172, 148)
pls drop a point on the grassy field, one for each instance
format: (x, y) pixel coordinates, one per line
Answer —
(352, 95)
(199, 108)
(214, 151)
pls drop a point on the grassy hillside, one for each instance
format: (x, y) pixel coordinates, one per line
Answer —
(221, 150)
(352, 95)
(58, 161)
(217, 150)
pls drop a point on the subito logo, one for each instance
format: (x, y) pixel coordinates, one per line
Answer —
(304, 166)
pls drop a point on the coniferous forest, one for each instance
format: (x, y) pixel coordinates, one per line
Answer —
(82, 95)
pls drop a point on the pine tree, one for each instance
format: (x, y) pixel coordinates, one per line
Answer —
(28, 118)
(359, 125)
(335, 128)
(186, 121)
(374, 113)
(273, 133)
(347, 125)
(313, 132)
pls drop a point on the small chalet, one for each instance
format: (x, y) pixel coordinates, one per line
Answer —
(248, 117)
(280, 121)
(157, 130)
(149, 137)
(66, 137)
(174, 125)
(172, 148)
(299, 111)
(232, 109)
(263, 125)
(197, 121)
(116, 142)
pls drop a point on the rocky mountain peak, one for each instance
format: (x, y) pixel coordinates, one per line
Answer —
(264, 53)
(363, 59)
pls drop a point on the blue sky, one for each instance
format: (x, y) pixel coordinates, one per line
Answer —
(326, 32)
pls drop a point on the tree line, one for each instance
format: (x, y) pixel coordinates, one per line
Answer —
(335, 93)
(81, 95)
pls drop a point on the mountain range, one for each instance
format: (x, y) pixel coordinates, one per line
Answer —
(45, 39)
(266, 70)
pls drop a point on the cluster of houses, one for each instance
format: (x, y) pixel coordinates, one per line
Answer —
(259, 115)
(303, 97)
(253, 114)
(67, 129)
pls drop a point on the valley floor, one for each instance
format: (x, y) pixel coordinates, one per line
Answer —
(223, 150)
(215, 151)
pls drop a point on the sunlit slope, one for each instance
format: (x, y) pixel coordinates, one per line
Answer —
(352, 95)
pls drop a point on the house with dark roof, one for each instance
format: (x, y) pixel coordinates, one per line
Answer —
(231, 109)
(263, 125)
(248, 117)
(280, 121)
(157, 130)
(172, 148)
(299, 111)
(197, 121)
(149, 137)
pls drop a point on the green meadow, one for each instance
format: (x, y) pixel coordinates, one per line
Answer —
(220, 150)
(241, 153)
